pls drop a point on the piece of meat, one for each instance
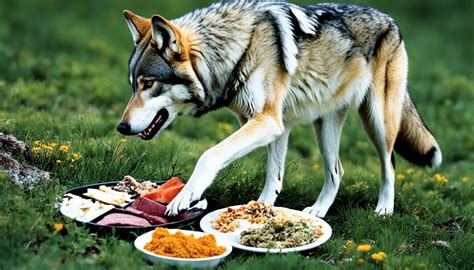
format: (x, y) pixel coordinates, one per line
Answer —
(119, 219)
(155, 220)
(166, 192)
(173, 181)
(148, 206)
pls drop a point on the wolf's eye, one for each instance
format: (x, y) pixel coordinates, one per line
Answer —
(147, 84)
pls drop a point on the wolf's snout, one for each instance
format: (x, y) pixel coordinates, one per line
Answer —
(124, 128)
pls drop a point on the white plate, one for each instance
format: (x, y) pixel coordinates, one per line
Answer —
(234, 237)
(195, 263)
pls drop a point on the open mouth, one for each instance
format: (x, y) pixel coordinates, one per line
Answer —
(155, 125)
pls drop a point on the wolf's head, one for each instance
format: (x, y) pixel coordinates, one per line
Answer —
(161, 74)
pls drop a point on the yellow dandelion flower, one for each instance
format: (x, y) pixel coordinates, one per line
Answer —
(36, 149)
(53, 145)
(58, 227)
(38, 143)
(409, 170)
(58, 161)
(440, 178)
(379, 256)
(64, 148)
(49, 148)
(400, 177)
(360, 261)
(76, 156)
(44, 146)
(364, 248)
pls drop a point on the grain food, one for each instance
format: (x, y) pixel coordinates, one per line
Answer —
(180, 245)
(254, 212)
(281, 234)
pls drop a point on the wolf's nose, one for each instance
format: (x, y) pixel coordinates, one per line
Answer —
(124, 128)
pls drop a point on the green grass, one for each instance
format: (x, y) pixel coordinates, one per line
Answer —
(63, 77)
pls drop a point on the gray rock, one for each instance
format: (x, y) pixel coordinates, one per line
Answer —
(20, 172)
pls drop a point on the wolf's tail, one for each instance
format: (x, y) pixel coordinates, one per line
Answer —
(414, 140)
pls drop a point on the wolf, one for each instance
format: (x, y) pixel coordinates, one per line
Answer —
(275, 65)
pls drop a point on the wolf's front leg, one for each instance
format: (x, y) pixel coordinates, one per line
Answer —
(328, 130)
(257, 132)
(275, 168)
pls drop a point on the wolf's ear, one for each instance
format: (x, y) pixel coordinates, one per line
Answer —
(138, 25)
(168, 37)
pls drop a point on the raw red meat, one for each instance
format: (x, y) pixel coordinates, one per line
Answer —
(155, 220)
(148, 209)
(148, 206)
(118, 219)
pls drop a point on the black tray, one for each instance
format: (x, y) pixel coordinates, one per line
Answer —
(182, 220)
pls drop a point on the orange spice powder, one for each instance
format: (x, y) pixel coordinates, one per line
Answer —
(184, 246)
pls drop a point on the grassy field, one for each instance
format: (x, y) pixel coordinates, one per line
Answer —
(63, 78)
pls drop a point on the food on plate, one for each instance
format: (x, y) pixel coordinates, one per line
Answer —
(254, 212)
(82, 209)
(166, 192)
(107, 195)
(121, 219)
(278, 233)
(142, 212)
(148, 206)
(104, 205)
(132, 186)
(180, 245)
(154, 212)
(154, 220)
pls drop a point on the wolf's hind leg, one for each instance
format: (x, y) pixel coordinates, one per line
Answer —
(372, 116)
(275, 168)
(328, 131)
(381, 114)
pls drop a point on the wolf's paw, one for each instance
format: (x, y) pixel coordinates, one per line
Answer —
(383, 210)
(182, 201)
(315, 211)
(384, 206)
(267, 199)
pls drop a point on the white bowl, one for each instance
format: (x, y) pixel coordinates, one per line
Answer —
(195, 263)
(234, 237)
